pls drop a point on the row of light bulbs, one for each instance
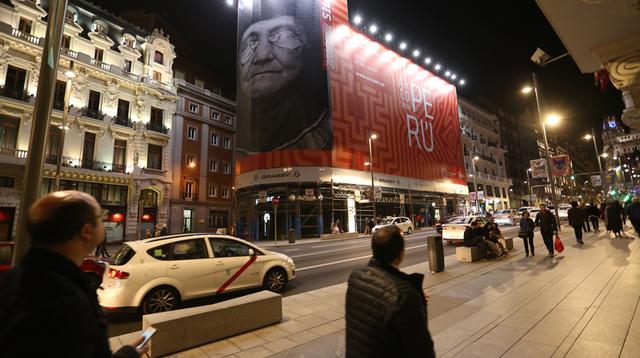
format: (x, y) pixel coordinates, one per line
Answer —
(402, 46)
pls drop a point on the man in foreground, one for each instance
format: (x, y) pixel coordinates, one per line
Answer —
(386, 310)
(548, 227)
(48, 308)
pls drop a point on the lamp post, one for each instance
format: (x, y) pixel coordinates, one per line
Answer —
(372, 137)
(595, 147)
(551, 120)
(530, 191)
(64, 127)
(475, 182)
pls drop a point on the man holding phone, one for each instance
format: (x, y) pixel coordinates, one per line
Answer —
(47, 307)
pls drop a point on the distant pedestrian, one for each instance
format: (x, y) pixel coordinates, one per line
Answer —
(548, 227)
(585, 226)
(367, 226)
(633, 212)
(418, 220)
(48, 306)
(148, 234)
(613, 217)
(526, 233)
(101, 249)
(386, 309)
(576, 220)
(164, 231)
(593, 213)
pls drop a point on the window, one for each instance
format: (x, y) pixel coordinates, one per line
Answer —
(187, 220)
(66, 41)
(158, 57)
(128, 41)
(188, 189)
(99, 27)
(225, 192)
(228, 248)
(178, 74)
(6, 182)
(154, 157)
(226, 142)
(215, 115)
(227, 119)
(93, 106)
(128, 65)
(119, 155)
(504, 193)
(9, 132)
(53, 142)
(182, 250)
(123, 109)
(157, 76)
(213, 165)
(190, 160)
(25, 25)
(14, 83)
(218, 219)
(212, 190)
(226, 168)
(98, 54)
(156, 116)
(215, 139)
(58, 95)
(199, 83)
(194, 108)
(88, 150)
(192, 132)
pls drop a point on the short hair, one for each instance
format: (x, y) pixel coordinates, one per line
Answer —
(59, 221)
(574, 204)
(387, 244)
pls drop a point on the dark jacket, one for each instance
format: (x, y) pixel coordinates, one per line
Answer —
(633, 212)
(386, 314)
(613, 215)
(49, 309)
(547, 221)
(470, 234)
(593, 210)
(576, 216)
(527, 225)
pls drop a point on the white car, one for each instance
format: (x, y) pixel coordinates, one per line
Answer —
(453, 231)
(563, 211)
(404, 223)
(522, 209)
(506, 217)
(156, 274)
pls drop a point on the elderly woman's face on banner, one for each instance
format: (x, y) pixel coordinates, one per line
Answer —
(270, 56)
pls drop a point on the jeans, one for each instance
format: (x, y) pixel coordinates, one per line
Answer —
(578, 231)
(547, 237)
(528, 243)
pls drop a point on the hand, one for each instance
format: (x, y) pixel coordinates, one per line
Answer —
(144, 348)
(426, 297)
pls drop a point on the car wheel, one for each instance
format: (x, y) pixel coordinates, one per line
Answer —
(275, 280)
(409, 230)
(160, 299)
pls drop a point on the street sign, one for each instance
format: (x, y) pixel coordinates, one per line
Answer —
(472, 195)
(275, 200)
(262, 196)
(560, 165)
(596, 180)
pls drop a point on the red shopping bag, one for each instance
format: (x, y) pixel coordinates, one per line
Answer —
(558, 244)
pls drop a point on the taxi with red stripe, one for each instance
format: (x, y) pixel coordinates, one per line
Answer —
(156, 274)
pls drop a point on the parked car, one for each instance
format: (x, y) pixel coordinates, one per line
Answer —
(404, 223)
(522, 209)
(156, 274)
(94, 269)
(453, 231)
(506, 217)
(563, 211)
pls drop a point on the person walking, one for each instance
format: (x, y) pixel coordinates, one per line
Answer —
(593, 213)
(633, 212)
(48, 306)
(576, 220)
(585, 226)
(548, 227)
(613, 218)
(526, 233)
(386, 309)
(101, 249)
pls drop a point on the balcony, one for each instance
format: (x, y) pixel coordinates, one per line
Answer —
(88, 164)
(187, 196)
(131, 76)
(15, 93)
(92, 113)
(18, 153)
(123, 121)
(27, 37)
(157, 127)
(98, 63)
(69, 53)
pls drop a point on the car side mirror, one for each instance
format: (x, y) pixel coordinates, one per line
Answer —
(251, 252)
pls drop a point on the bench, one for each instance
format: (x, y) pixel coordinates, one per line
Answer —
(468, 254)
(192, 327)
(507, 243)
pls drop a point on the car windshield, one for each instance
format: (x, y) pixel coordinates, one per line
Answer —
(386, 222)
(124, 254)
(457, 220)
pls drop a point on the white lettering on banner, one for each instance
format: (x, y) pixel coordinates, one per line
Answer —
(418, 131)
(326, 9)
(421, 95)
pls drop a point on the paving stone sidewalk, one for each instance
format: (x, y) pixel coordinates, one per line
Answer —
(581, 303)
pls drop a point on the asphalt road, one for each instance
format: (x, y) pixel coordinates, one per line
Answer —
(318, 264)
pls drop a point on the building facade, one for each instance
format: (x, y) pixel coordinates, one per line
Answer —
(481, 139)
(117, 143)
(203, 167)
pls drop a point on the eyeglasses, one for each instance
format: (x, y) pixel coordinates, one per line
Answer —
(286, 39)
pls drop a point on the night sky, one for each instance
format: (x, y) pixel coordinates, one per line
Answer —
(488, 43)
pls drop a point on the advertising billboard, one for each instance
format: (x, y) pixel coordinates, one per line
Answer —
(371, 89)
(538, 168)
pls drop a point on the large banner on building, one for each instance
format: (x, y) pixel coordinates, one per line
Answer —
(560, 165)
(373, 90)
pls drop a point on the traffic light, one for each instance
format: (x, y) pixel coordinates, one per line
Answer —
(573, 177)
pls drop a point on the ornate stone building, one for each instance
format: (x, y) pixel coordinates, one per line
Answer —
(117, 142)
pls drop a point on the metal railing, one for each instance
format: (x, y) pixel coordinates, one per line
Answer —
(156, 127)
(98, 63)
(92, 113)
(125, 122)
(189, 196)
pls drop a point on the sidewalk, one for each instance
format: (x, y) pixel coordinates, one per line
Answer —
(581, 303)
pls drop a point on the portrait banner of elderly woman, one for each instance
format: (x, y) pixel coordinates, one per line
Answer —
(282, 85)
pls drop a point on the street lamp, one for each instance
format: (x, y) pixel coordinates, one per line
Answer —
(63, 126)
(592, 136)
(529, 182)
(551, 120)
(372, 137)
(475, 182)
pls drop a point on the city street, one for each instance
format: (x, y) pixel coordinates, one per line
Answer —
(318, 265)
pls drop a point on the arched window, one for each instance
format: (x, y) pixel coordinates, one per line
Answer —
(158, 57)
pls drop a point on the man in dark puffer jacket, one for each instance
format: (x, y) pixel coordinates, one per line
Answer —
(386, 311)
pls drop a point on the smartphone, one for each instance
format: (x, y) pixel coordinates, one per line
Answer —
(147, 334)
